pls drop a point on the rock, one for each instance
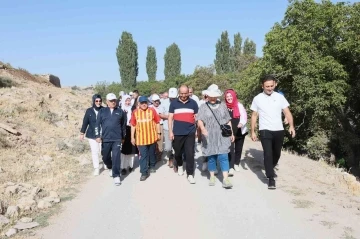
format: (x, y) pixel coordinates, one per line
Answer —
(3, 221)
(83, 160)
(23, 226)
(52, 79)
(26, 204)
(53, 194)
(2, 207)
(35, 191)
(9, 184)
(46, 158)
(57, 200)
(11, 190)
(42, 204)
(12, 212)
(26, 219)
(49, 96)
(11, 232)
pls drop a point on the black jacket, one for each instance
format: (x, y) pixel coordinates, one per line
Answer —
(112, 125)
(89, 122)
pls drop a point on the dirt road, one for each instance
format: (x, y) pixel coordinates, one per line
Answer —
(306, 204)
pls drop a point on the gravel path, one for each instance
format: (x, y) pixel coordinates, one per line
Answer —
(167, 206)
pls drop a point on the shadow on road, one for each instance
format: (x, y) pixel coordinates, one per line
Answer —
(254, 161)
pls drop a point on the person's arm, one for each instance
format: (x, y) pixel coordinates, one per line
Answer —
(170, 124)
(254, 117)
(202, 128)
(243, 116)
(133, 125)
(84, 125)
(123, 124)
(290, 120)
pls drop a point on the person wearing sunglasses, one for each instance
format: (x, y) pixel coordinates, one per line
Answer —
(112, 122)
(88, 126)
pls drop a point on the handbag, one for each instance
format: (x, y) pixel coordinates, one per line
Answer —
(226, 130)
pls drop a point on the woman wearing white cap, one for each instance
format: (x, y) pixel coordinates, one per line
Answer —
(216, 142)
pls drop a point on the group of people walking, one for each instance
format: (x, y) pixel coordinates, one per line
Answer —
(171, 124)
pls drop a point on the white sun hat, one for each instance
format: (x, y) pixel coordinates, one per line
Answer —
(213, 91)
(155, 97)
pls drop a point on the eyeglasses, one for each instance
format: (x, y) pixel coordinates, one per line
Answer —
(98, 100)
(112, 101)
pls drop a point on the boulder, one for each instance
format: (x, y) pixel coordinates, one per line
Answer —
(12, 212)
(46, 158)
(26, 219)
(43, 204)
(26, 204)
(53, 194)
(11, 232)
(27, 225)
(52, 79)
(11, 190)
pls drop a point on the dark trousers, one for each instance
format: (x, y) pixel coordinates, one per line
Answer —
(272, 142)
(185, 144)
(236, 151)
(111, 153)
(147, 157)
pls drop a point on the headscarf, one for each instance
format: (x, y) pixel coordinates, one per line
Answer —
(126, 108)
(96, 96)
(234, 106)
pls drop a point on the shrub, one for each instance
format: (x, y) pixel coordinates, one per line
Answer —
(6, 82)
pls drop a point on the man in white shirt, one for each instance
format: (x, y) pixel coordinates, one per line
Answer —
(268, 106)
(192, 96)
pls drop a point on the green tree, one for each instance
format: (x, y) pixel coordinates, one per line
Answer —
(236, 51)
(151, 63)
(249, 47)
(223, 54)
(127, 57)
(172, 60)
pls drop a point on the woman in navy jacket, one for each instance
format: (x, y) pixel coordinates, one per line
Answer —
(89, 126)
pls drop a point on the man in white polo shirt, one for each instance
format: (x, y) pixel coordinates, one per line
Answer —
(268, 106)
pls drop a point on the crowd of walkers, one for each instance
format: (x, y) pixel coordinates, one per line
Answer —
(170, 125)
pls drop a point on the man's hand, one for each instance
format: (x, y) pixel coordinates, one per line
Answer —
(98, 140)
(204, 132)
(254, 136)
(133, 141)
(292, 132)
(232, 138)
(81, 137)
(171, 135)
(240, 125)
(158, 137)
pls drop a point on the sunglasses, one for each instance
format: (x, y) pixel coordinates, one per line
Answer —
(112, 101)
(98, 100)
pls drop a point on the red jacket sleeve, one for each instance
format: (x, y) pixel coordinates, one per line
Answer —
(133, 119)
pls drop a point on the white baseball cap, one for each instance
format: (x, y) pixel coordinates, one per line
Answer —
(111, 96)
(155, 97)
(131, 93)
(173, 93)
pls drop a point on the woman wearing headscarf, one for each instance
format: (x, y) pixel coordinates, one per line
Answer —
(128, 151)
(238, 122)
(215, 146)
(88, 125)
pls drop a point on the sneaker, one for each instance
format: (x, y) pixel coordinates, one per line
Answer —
(130, 169)
(171, 163)
(191, 179)
(110, 172)
(144, 177)
(96, 172)
(117, 181)
(212, 181)
(216, 172)
(231, 172)
(227, 183)
(272, 184)
(152, 170)
(204, 166)
(123, 171)
(237, 168)
(180, 171)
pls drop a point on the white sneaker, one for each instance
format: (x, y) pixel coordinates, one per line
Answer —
(117, 181)
(231, 172)
(104, 166)
(180, 170)
(204, 166)
(237, 168)
(110, 172)
(191, 179)
(96, 172)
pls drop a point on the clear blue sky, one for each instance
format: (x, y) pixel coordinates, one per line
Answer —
(76, 40)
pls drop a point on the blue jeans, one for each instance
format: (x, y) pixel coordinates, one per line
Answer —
(223, 161)
(147, 154)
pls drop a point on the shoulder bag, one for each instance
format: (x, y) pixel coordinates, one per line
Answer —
(225, 128)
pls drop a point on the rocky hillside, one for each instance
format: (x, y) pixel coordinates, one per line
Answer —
(41, 156)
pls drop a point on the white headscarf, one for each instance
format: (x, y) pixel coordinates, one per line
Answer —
(126, 108)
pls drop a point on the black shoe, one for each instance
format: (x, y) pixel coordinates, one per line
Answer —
(272, 184)
(144, 177)
(123, 172)
(152, 170)
(130, 170)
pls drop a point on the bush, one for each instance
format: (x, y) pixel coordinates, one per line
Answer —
(6, 82)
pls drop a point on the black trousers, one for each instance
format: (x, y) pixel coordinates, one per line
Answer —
(272, 142)
(111, 153)
(185, 144)
(236, 148)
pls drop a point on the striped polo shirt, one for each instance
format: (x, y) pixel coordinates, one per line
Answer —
(145, 122)
(184, 116)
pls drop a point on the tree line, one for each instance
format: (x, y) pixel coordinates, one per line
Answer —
(314, 52)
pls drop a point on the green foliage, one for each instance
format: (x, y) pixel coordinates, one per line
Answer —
(249, 47)
(172, 60)
(223, 54)
(235, 51)
(151, 63)
(127, 56)
(149, 87)
(6, 82)
(103, 88)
